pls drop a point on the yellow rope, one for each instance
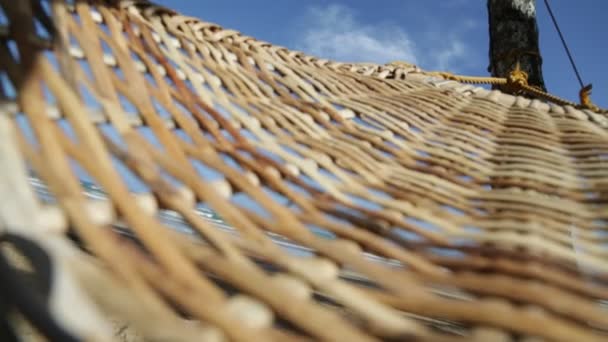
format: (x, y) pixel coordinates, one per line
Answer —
(517, 82)
(585, 99)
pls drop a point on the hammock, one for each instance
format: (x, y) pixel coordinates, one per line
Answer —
(163, 178)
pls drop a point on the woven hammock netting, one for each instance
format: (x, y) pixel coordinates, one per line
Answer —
(165, 179)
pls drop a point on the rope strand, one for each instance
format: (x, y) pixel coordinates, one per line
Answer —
(561, 36)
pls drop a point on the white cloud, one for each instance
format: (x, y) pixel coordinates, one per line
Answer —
(445, 57)
(335, 32)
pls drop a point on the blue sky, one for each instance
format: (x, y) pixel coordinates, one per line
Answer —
(435, 34)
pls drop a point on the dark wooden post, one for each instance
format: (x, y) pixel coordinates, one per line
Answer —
(513, 38)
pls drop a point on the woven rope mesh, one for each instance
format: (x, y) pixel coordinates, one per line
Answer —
(194, 183)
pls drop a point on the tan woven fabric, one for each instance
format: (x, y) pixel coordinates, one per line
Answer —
(366, 202)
